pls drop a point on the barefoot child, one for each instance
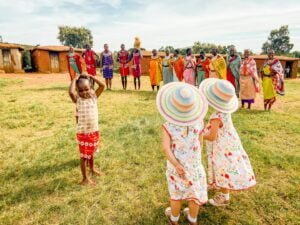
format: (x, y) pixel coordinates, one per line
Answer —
(85, 99)
(183, 107)
(229, 167)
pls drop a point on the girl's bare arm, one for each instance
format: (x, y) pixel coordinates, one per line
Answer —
(72, 90)
(213, 134)
(101, 86)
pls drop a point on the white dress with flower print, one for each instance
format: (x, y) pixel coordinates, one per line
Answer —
(186, 148)
(228, 164)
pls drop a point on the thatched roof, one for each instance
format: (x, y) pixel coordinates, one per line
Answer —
(56, 48)
(284, 58)
(8, 45)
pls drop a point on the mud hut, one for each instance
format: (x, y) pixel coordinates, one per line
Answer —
(11, 58)
(53, 59)
(286, 62)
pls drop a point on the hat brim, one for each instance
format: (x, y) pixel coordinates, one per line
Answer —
(213, 101)
(174, 116)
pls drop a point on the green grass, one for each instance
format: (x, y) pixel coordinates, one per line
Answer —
(39, 161)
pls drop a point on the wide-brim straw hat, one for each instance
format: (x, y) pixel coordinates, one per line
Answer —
(181, 104)
(220, 95)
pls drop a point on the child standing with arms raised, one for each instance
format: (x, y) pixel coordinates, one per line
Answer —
(184, 108)
(229, 168)
(85, 99)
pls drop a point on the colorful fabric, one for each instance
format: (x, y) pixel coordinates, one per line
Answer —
(88, 144)
(90, 61)
(249, 83)
(136, 65)
(155, 71)
(87, 112)
(229, 166)
(202, 70)
(181, 104)
(220, 94)
(74, 65)
(167, 70)
(272, 70)
(178, 67)
(233, 71)
(218, 68)
(107, 63)
(123, 57)
(189, 70)
(186, 148)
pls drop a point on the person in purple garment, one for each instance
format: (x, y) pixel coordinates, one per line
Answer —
(106, 65)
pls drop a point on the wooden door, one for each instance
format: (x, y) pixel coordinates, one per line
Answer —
(54, 61)
(7, 63)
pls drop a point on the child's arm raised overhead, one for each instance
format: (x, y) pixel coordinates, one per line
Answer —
(170, 156)
(101, 86)
(215, 124)
(72, 89)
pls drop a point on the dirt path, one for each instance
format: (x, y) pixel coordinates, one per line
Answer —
(39, 79)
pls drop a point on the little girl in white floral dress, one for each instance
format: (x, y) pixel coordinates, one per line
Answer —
(229, 167)
(183, 107)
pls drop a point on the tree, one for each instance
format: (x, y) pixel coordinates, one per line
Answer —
(163, 49)
(207, 47)
(75, 36)
(296, 54)
(279, 41)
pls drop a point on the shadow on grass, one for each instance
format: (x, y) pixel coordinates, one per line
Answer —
(207, 215)
(33, 191)
(37, 172)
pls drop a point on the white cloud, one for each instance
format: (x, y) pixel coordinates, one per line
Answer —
(157, 23)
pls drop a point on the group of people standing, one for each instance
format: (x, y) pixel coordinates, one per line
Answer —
(106, 60)
(242, 73)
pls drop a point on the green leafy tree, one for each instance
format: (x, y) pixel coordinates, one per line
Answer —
(296, 54)
(163, 49)
(279, 41)
(78, 37)
(207, 47)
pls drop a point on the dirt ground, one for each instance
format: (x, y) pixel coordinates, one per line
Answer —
(38, 79)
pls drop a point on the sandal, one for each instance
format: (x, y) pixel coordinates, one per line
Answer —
(168, 215)
(186, 212)
(219, 200)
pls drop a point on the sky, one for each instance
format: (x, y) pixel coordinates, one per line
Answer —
(179, 23)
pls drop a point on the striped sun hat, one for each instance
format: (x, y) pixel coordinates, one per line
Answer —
(220, 95)
(181, 104)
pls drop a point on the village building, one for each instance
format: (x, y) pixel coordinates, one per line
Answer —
(52, 59)
(11, 58)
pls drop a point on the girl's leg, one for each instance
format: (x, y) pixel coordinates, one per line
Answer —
(243, 104)
(193, 212)
(122, 79)
(173, 214)
(109, 82)
(271, 103)
(125, 82)
(152, 87)
(92, 167)
(134, 81)
(157, 87)
(85, 179)
(249, 105)
(139, 83)
(106, 82)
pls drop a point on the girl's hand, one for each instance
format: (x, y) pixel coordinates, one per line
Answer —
(181, 171)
